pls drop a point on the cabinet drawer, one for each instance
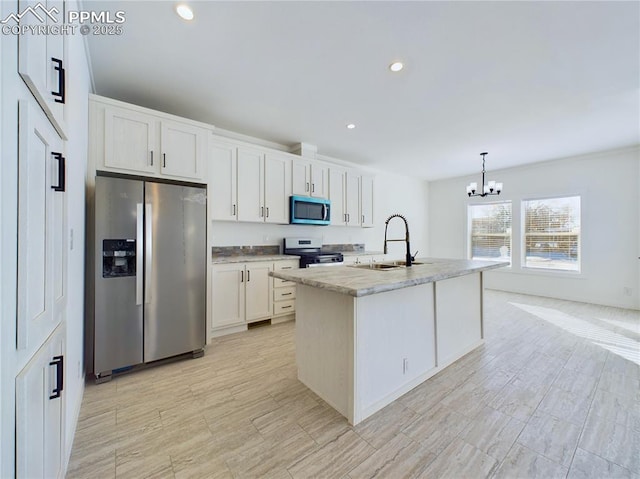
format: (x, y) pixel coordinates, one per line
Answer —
(284, 307)
(285, 265)
(282, 283)
(284, 294)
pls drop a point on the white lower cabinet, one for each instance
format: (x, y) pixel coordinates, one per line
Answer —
(284, 292)
(244, 293)
(40, 406)
(241, 293)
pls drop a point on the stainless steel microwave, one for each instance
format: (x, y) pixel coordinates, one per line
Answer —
(309, 211)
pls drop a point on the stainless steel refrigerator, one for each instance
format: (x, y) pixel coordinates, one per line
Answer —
(150, 272)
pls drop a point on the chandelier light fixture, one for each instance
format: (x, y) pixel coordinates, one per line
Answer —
(491, 188)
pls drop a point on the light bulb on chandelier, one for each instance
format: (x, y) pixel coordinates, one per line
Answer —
(491, 188)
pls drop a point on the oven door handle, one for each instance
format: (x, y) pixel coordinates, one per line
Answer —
(324, 212)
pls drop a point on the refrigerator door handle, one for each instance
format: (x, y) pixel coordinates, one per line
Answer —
(148, 248)
(139, 252)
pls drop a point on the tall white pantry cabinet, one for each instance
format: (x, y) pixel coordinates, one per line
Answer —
(33, 245)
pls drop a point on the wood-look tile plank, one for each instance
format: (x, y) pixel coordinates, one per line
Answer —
(522, 462)
(551, 437)
(586, 465)
(492, 432)
(400, 457)
(461, 460)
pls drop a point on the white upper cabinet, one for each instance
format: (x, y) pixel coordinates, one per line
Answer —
(351, 195)
(223, 199)
(248, 184)
(310, 178)
(337, 178)
(183, 147)
(352, 199)
(130, 139)
(41, 228)
(41, 62)
(366, 200)
(277, 187)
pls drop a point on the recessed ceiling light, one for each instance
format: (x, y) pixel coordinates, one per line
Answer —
(351, 126)
(396, 66)
(184, 11)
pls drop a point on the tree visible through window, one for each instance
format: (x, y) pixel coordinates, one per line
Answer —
(552, 233)
(490, 231)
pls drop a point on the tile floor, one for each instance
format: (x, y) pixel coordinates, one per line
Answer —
(554, 392)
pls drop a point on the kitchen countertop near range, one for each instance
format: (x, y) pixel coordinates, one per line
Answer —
(252, 258)
(356, 281)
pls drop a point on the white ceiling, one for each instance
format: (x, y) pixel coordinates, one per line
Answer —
(525, 81)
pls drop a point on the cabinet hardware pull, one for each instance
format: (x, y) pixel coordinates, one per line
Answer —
(307, 187)
(151, 157)
(242, 276)
(287, 294)
(267, 211)
(61, 93)
(313, 187)
(287, 267)
(234, 210)
(248, 275)
(348, 218)
(61, 172)
(285, 307)
(363, 218)
(262, 211)
(58, 362)
(164, 160)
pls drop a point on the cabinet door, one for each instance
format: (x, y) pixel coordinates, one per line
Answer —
(277, 188)
(182, 148)
(40, 412)
(130, 140)
(227, 295)
(41, 62)
(41, 214)
(319, 180)
(352, 199)
(250, 188)
(258, 291)
(301, 177)
(366, 200)
(222, 178)
(336, 196)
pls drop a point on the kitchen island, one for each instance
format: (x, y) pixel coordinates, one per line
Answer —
(367, 334)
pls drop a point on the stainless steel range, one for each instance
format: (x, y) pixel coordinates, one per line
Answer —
(310, 252)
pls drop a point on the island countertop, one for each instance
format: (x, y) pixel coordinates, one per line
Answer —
(356, 281)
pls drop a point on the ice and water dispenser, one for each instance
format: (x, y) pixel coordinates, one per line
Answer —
(118, 258)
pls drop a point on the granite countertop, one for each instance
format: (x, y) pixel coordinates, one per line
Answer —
(363, 282)
(252, 258)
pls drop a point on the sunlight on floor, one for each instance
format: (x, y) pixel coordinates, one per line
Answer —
(618, 344)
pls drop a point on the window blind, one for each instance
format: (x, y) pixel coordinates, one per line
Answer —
(552, 233)
(490, 231)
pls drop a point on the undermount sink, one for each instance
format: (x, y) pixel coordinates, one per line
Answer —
(386, 266)
(404, 263)
(382, 266)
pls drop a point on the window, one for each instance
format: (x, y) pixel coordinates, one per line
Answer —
(490, 231)
(552, 233)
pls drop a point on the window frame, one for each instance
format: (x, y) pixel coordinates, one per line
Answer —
(469, 235)
(523, 236)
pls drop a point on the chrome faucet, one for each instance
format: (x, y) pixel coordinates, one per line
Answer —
(409, 258)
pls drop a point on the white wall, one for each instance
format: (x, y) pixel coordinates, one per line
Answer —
(76, 111)
(609, 185)
(392, 194)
